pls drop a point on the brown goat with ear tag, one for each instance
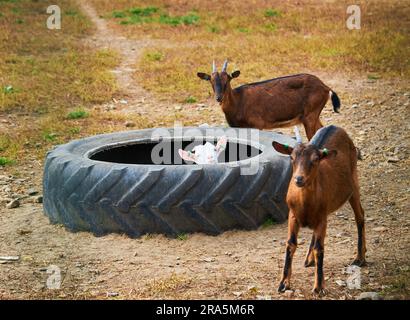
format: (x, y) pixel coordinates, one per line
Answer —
(324, 178)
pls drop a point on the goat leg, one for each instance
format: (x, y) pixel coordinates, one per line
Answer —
(310, 259)
(359, 217)
(293, 230)
(318, 253)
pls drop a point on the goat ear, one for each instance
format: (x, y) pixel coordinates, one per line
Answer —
(325, 154)
(235, 74)
(282, 148)
(187, 156)
(204, 76)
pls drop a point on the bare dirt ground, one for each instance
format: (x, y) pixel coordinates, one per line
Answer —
(236, 264)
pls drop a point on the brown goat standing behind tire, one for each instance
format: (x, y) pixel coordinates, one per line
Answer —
(274, 103)
(324, 178)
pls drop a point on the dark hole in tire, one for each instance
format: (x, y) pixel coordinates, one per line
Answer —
(142, 152)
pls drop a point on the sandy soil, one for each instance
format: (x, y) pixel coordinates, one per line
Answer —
(236, 264)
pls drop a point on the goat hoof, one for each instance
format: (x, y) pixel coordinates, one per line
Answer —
(320, 292)
(359, 262)
(310, 263)
(283, 287)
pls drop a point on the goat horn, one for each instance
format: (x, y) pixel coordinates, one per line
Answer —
(225, 65)
(214, 67)
(298, 136)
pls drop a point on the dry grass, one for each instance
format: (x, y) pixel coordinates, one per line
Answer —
(49, 68)
(46, 75)
(265, 39)
(165, 287)
(397, 284)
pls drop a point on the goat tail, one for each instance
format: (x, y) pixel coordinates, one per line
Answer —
(335, 101)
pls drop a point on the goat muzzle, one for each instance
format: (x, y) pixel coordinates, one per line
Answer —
(299, 181)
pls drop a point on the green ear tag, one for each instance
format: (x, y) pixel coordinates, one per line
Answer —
(325, 152)
(286, 146)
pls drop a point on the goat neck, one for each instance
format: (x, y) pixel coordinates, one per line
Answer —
(228, 103)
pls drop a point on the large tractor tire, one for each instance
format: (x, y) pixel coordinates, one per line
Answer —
(108, 183)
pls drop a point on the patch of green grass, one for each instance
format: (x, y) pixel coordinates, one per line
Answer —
(15, 10)
(5, 161)
(271, 27)
(182, 236)
(373, 77)
(71, 12)
(118, 14)
(144, 12)
(136, 15)
(214, 29)
(191, 99)
(125, 22)
(137, 20)
(272, 13)
(189, 19)
(154, 56)
(50, 136)
(243, 30)
(153, 15)
(269, 222)
(8, 89)
(166, 19)
(74, 130)
(77, 114)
